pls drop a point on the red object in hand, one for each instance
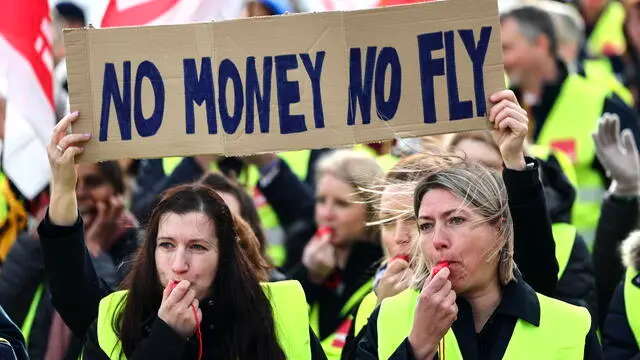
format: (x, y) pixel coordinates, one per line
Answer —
(173, 285)
(404, 257)
(439, 266)
(325, 230)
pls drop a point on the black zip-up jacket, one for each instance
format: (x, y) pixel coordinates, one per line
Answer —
(618, 218)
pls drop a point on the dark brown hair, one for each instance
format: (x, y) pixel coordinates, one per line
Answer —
(242, 310)
(219, 182)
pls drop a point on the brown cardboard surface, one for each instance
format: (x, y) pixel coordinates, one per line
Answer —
(284, 41)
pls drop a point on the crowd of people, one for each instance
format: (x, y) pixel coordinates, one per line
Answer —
(521, 241)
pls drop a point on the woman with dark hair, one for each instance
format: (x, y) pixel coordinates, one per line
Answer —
(189, 277)
(242, 206)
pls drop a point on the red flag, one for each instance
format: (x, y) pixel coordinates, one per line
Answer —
(27, 61)
(165, 12)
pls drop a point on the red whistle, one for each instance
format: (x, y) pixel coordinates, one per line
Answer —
(404, 257)
(173, 285)
(325, 230)
(439, 266)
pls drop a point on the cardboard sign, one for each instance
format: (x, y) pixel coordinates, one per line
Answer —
(285, 83)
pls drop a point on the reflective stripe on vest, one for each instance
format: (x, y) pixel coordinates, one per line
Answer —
(27, 325)
(609, 31)
(289, 315)
(564, 236)
(561, 334)
(333, 344)
(632, 302)
(601, 71)
(365, 309)
(568, 128)
(6, 350)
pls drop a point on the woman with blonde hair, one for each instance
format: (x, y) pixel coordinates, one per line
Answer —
(338, 262)
(467, 298)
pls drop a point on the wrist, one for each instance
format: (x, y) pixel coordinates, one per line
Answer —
(517, 163)
(420, 350)
(624, 189)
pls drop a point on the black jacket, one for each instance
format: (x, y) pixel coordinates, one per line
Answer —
(577, 285)
(162, 342)
(24, 272)
(551, 91)
(10, 332)
(618, 218)
(618, 341)
(519, 301)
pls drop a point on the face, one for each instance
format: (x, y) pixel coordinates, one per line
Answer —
(336, 209)
(520, 57)
(480, 151)
(451, 231)
(92, 188)
(397, 234)
(187, 249)
(232, 202)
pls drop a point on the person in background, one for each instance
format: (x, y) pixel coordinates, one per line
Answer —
(604, 21)
(112, 239)
(621, 330)
(576, 279)
(569, 27)
(620, 210)
(190, 256)
(477, 305)
(560, 115)
(340, 255)
(241, 205)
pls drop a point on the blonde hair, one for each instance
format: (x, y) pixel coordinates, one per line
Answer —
(481, 189)
(357, 169)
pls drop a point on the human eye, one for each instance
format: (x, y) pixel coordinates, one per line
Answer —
(198, 247)
(167, 245)
(426, 226)
(456, 220)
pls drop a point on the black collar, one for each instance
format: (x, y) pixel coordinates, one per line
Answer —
(521, 301)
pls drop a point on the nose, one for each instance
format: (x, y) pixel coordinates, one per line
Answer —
(180, 262)
(440, 238)
(325, 213)
(402, 233)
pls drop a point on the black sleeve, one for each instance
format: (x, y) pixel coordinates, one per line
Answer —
(618, 341)
(628, 117)
(161, 343)
(368, 344)
(317, 352)
(10, 332)
(535, 249)
(592, 349)
(289, 197)
(578, 284)
(22, 273)
(75, 288)
(617, 219)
